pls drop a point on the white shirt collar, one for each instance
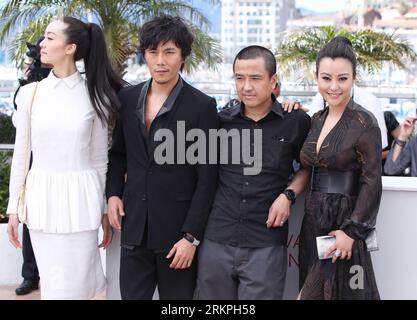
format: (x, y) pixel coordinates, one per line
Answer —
(71, 81)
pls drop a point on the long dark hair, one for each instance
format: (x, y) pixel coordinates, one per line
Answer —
(103, 82)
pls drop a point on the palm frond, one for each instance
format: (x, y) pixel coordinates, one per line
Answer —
(299, 49)
(205, 50)
(31, 34)
(154, 8)
(120, 21)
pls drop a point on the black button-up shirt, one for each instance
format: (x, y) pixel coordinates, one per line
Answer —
(242, 202)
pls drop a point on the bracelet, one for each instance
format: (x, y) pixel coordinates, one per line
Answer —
(400, 143)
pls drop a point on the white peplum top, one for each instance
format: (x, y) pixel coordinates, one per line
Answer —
(65, 185)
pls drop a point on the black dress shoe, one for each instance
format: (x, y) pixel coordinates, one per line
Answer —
(27, 287)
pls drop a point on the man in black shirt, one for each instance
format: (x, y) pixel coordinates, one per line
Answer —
(243, 255)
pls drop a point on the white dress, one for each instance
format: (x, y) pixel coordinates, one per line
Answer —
(65, 185)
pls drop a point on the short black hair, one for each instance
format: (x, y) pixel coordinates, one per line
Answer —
(166, 28)
(338, 47)
(253, 52)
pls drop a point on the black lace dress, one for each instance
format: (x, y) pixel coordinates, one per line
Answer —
(354, 144)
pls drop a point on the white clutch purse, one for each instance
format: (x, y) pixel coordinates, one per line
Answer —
(325, 242)
(371, 241)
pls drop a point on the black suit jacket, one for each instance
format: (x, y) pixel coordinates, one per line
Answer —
(170, 198)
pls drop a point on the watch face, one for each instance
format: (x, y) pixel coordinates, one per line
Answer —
(290, 195)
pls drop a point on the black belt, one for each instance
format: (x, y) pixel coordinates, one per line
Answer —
(334, 181)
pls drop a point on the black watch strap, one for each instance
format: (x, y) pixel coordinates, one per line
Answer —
(401, 143)
(191, 239)
(290, 194)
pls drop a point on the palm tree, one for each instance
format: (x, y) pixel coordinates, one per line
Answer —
(299, 49)
(120, 21)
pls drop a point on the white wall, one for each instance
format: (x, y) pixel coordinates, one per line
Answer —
(394, 264)
(10, 259)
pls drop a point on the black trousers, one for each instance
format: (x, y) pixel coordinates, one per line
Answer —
(29, 268)
(142, 269)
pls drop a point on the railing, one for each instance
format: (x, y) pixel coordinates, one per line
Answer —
(401, 101)
(6, 147)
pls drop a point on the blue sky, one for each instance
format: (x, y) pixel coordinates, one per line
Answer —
(213, 12)
(321, 5)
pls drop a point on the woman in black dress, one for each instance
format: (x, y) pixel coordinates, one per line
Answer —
(343, 154)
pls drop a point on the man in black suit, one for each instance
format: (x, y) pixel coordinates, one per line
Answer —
(164, 206)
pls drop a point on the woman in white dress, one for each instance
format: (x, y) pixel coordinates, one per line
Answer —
(69, 137)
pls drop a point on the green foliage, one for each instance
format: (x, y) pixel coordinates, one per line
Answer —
(7, 136)
(7, 130)
(4, 182)
(299, 49)
(120, 21)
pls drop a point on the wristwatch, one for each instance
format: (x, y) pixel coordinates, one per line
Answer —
(191, 239)
(290, 194)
